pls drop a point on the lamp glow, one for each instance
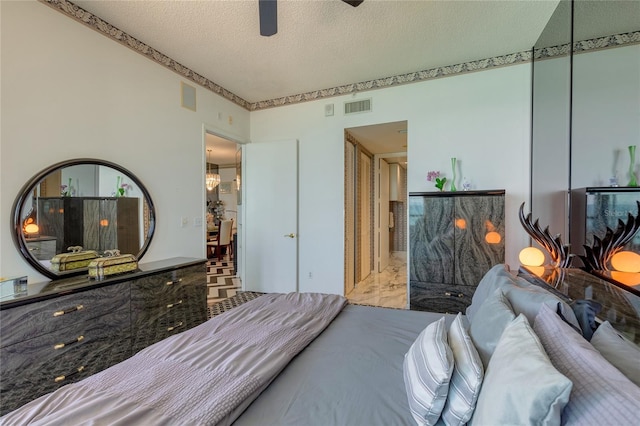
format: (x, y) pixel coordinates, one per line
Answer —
(31, 228)
(531, 256)
(461, 223)
(493, 237)
(626, 261)
(628, 278)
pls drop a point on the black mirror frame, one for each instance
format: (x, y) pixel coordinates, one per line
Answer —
(27, 190)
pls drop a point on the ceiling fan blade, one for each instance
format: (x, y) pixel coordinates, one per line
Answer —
(268, 10)
(354, 3)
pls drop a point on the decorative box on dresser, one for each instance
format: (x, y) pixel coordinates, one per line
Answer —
(454, 239)
(65, 330)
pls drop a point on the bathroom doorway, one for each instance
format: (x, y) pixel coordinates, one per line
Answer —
(375, 214)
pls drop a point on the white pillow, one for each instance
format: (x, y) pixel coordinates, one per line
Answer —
(489, 322)
(427, 370)
(466, 379)
(623, 354)
(521, 386)
(601, 394)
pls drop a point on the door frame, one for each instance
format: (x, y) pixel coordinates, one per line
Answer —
(240, 254)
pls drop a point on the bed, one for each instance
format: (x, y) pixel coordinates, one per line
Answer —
(313, 359)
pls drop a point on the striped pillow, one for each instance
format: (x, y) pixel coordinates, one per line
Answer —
(601, 394)
(466, 379)
(427, 370)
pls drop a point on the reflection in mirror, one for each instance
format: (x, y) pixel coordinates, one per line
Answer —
(551, 122)
(586, 103)
(75, 211)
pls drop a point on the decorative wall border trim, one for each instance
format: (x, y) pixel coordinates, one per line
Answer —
(583, 46)
(396, 80)
(92, 21)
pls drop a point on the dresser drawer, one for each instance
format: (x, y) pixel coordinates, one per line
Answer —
(34, 367)
(167, 304)
(438, 297)
(49, 316)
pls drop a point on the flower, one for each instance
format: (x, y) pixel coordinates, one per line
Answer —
(431, 176)
(63, 190)
(123, 189)
(435, 176)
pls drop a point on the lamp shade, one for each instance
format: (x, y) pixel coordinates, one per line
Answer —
(626, 261)
(531, 256)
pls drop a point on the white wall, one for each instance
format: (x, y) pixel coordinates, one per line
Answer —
(480, 118)
(70, 92)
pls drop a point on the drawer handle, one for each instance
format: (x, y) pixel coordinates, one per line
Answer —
(61, 378)
(449, 294)
(171, 305)
(62, 345)
(68, 311)
(179, 280)
(175, 326)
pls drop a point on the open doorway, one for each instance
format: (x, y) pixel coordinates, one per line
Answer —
(375, 214)
(223, 217)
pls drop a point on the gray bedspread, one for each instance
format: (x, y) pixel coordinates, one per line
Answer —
(203, 376)
(350, 375)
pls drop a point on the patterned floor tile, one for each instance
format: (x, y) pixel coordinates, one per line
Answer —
(221, 281)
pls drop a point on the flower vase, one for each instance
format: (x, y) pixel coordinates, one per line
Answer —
(453, 179)
(118, 186)
(633, 181)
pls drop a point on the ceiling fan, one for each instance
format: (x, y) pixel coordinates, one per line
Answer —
(268, 10)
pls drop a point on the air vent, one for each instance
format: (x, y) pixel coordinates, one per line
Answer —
(354, 107)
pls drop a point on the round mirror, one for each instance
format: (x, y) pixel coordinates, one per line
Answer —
(84, 206)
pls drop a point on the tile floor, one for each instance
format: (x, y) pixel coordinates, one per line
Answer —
(221, 283)
(387, 288)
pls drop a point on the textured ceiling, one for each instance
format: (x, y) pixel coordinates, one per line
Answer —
(324, 43)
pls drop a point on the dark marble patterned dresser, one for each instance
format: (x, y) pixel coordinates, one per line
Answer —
(65, 330)
(454, 239)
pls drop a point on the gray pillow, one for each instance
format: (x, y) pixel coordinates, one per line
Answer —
(521, 386)
(489, 322)
(496, 277)
(601, 394)
(527, 298)
(622, 353)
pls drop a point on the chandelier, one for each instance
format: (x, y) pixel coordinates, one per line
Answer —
(212, 179)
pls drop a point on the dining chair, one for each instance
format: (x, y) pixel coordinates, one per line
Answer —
(223, 239)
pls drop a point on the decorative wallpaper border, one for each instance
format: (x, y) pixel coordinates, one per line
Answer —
(583, 46)
(92, 21)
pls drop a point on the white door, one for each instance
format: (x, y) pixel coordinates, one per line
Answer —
(271, 221)
(383, 216)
